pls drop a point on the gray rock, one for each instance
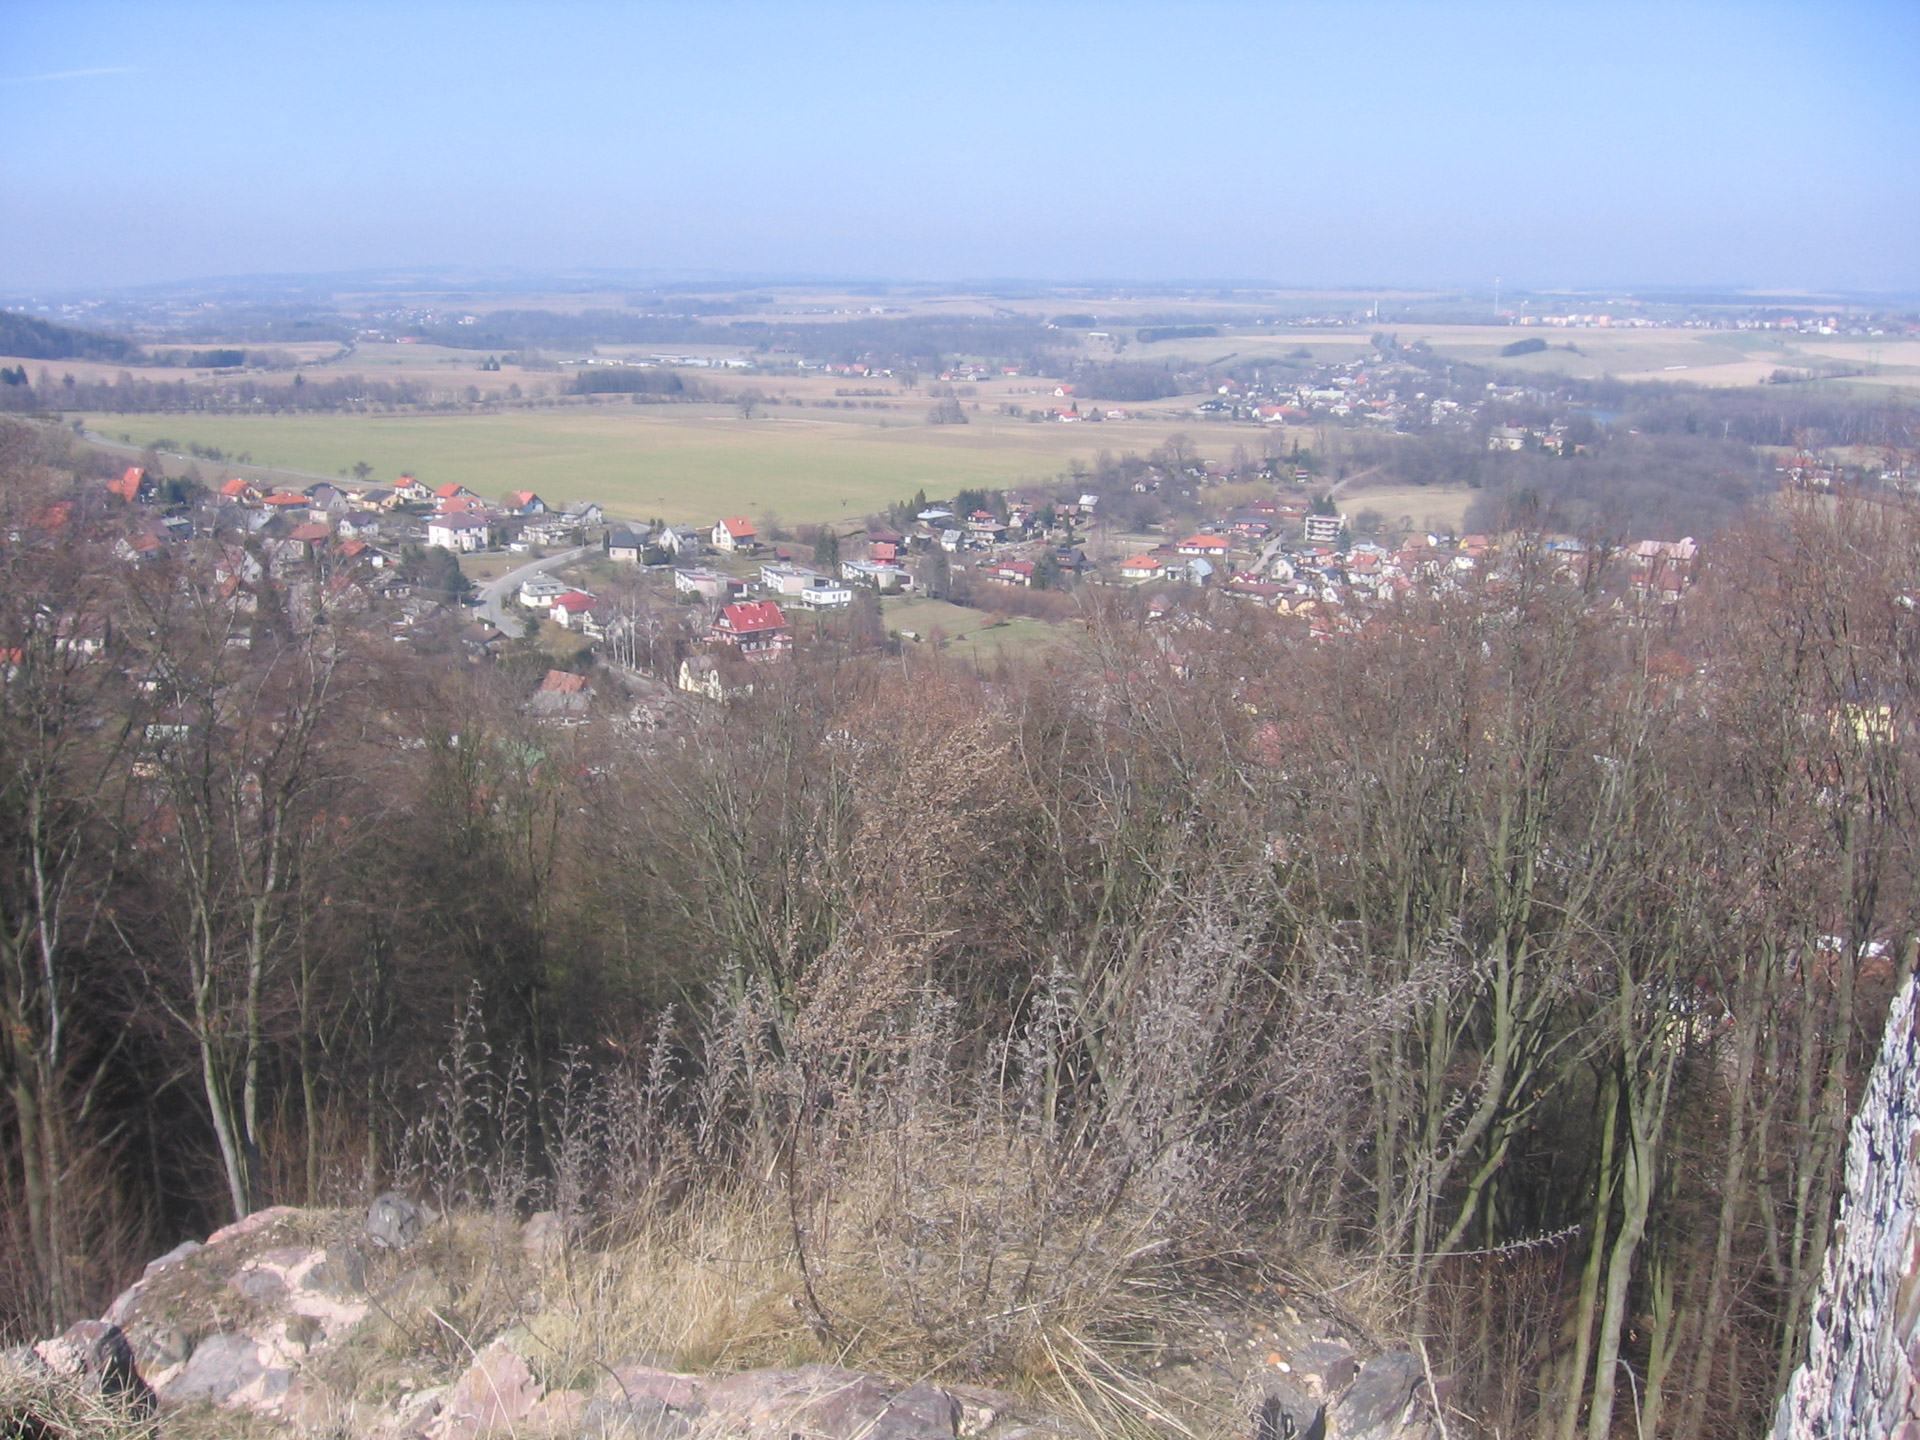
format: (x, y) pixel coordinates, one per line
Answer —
(263, 1287)
(394, 1222)
(1331, 1362)
(163, 1347)
(220, 1365)
(342, 1275)
(1380, 1397)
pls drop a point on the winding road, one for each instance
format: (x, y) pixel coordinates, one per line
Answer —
(494, 592)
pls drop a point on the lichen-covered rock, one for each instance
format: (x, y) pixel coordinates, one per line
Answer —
(394, 1222)
(1862, 1372)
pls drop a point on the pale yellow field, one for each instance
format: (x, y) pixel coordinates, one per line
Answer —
(686, 463)
(1426, 507)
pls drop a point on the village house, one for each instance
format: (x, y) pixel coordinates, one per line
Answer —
(571, 610)
(525, 502)
(707, 675)
(453, 491)
(1206, 547)
(1141, 567)
(457, 532)
(540, 590)
(133, 485)
(626, 546)
(871, 572)
(733, 534)
(548, 530)
(756, 629)
(563, 697)
(684, 542)
(357, 527)
(707, 584)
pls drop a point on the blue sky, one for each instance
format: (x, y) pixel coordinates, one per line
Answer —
(1368, 143)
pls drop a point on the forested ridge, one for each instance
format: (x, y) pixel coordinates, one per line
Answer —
(1501, 967)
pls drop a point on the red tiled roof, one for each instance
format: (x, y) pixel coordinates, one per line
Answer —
(449, 490)
(753, 616)
(235, 486)
(127, 487)
(573, 602)
(287, 501)
(738, 527)
(313, 532)
(1204, 542)
(562, 682)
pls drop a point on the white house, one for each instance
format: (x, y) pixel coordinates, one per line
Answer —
(876, 574)
(733, 533)
(458, 531)
(538, 592)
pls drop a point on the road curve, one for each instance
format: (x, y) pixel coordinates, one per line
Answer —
(495, 591)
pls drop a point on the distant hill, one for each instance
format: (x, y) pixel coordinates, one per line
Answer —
(43, 340)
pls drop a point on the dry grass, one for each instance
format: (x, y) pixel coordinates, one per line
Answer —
(37, 1407)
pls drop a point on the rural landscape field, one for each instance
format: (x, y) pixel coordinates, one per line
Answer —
(808, 457)
(682, 463)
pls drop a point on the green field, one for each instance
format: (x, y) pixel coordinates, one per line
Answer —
(679, 463)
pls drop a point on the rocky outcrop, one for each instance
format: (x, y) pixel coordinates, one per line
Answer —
(367, 1324)
(1862, 1373)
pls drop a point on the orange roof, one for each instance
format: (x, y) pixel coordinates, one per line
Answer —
(561, 682)
(739, 527)
(236, 487)
(1141, 562)
(1205, 542)
(287, 500)
(127, 487)
(312, 533)
(449, 490)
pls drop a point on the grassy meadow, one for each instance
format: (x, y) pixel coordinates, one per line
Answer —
(677, 462)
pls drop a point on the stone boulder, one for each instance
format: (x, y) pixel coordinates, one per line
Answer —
(394, 1222)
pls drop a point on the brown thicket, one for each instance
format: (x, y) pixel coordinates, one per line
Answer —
(1509, 962)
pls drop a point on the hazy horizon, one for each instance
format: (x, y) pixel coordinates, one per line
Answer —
(1379, 146)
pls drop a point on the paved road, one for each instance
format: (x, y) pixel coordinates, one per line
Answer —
(494, 591)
